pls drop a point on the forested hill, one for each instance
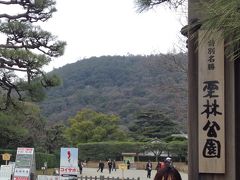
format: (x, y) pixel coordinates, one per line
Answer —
(122, 85)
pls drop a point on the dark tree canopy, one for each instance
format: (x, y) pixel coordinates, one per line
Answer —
(25, 48)
(22, 127)
(153, 124)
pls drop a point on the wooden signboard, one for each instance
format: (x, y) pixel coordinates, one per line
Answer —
(211, 113)
(6, 156)
(122, 166)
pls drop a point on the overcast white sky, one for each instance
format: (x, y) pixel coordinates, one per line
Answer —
(112, 27)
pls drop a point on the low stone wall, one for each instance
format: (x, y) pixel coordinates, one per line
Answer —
(181, 166)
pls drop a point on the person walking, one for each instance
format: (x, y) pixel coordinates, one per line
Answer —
(168, 172)
(114, 165)
(128, 164)
(149, 168)
(80, 165)
(109, 166)
(100, 166)
(159, 165)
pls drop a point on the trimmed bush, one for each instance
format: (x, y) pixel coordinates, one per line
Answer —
(105, 150)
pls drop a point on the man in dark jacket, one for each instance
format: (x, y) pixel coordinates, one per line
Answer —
(100, 166)
(149, 169)
(109, 165)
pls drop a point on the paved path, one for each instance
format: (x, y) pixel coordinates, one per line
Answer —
(127, 173)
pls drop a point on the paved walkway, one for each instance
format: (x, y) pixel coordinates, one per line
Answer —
(127, 173)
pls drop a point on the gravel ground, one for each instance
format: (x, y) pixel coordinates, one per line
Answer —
(131, 173)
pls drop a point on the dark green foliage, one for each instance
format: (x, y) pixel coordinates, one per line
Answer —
(174, 138)
(25, 127)
(114, 150)
(121, 85)
(11, 133)
(106, 150)
(55, 138)
(179, 149)
(52, 160)
(26, 48)
(153, 124)
(223, 17)
(91, 126)
(21, 127)
(156, 147)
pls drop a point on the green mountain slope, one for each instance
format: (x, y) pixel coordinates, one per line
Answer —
(122, 85)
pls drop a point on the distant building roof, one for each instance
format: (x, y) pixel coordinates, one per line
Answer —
(180, 135)
(129, 154)
(163, 154)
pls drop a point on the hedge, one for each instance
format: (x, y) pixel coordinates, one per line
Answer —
(105, 150)
(52, 160)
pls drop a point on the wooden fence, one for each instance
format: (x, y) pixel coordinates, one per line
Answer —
(105, 178)
(47, 177)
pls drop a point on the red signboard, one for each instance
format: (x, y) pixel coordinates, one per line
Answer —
(25, 150)
(68, 170)
(21, 178)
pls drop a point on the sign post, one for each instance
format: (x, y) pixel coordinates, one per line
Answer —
(211, 112)
(6, 157)
(122, 167)
(213, 122)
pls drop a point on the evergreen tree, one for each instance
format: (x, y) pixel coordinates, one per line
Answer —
(152, 124)
(148, 4)
(223, 16)
(26, 48)
(22, 127)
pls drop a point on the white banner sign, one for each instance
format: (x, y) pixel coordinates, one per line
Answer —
(6, 172)
(45, 177)
(69, 161)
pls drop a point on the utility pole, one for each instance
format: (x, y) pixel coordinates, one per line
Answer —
(231, 107)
